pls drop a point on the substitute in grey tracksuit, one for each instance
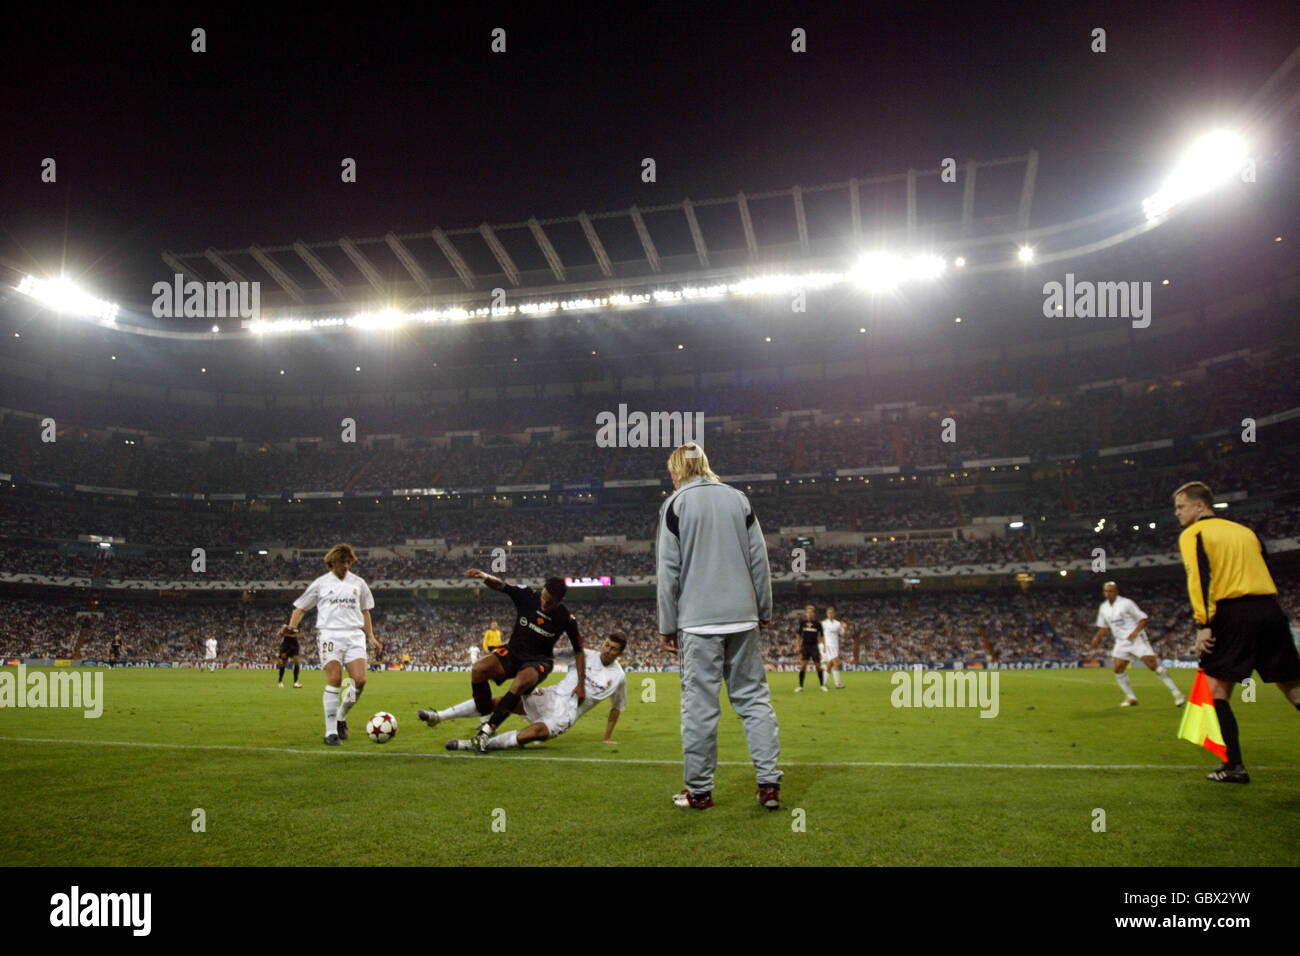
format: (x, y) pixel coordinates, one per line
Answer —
(715, 588)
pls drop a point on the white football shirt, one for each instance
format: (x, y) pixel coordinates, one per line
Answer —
(338, 603)
(832, 630)
(211, 644)
(1122, 618)
(602, 682)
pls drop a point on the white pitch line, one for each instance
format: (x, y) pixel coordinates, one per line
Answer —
(617, 760)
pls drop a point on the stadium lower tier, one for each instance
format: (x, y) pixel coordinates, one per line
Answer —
(987, 625)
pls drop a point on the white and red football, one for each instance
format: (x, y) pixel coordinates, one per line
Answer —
(382, 728)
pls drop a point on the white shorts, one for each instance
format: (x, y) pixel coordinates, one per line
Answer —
(209, 655)
(832, 651)
(342, 646)
(557, 711)
(1133, 651)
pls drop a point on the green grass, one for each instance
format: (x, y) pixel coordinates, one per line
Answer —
(251, 756)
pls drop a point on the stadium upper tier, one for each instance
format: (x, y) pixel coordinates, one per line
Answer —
(889, 504)
(143, 391)
(423, 456)
(1058, 549)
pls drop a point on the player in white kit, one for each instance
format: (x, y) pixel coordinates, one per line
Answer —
(210, 653)
(553, 710)
(1125, 620)
(832, 631)
(342, 602)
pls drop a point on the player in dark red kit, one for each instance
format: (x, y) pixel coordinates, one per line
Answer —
(526, 658)
(289, 650)
(810, 636)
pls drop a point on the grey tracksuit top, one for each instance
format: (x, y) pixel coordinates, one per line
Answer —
(711, 559)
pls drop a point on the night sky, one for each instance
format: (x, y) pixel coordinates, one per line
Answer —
(160, 148)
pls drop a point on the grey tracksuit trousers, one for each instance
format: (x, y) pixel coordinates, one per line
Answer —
(707, 660)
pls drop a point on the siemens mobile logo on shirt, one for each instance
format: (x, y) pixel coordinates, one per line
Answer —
(533, 627)
(350, 601)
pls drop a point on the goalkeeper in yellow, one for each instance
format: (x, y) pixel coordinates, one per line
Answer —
(491, 638)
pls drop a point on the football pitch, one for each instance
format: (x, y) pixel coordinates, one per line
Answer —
(866, 783)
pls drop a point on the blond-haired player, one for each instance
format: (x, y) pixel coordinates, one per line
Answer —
(342, 602)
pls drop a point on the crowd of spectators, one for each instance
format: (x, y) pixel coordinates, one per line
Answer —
(425, 409)
(171, 558)
(1056, 424)
(1080, 491)
(1046, 624)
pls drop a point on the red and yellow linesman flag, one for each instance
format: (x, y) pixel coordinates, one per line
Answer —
(1200, 723)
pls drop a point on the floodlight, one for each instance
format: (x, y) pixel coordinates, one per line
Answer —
(62, 295)
(1210, 161)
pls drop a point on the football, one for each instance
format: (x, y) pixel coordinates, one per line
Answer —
(382, 728)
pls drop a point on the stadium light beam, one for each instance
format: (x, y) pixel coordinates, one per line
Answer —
(63, 296)
(1208, 163)
(885, 271)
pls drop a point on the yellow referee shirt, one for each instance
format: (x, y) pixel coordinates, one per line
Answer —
(491, 639)
(1223, 559)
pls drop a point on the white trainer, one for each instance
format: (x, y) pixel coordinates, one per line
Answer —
(1131, 702)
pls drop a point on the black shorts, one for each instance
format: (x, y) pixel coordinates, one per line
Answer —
(514, 662)
(1251, 634)
(112, 653)
(289, 648)
(811, 653)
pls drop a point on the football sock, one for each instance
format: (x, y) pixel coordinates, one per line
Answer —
(1125, 685)
(1228, 726)
(296, 668)
(1168, 681)
(821, 676)
(505, 741)
(331, 701)
(801, 673)
(466, 708)
(281, 675)
(482, 698)
(346, 705)
(504, 709)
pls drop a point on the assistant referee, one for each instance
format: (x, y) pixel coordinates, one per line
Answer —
(1241, 628)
